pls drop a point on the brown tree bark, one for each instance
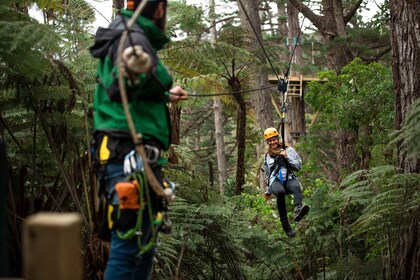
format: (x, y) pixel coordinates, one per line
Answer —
(282, 16)
(405, 41)
(345, 140)
(235, 84)
(175, 114)
(260, 100)
(332, 26)
(296, 110)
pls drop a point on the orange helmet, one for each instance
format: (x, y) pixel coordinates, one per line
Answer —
(270, 132)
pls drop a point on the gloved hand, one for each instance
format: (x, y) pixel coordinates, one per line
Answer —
(266, 195)
(136, 59)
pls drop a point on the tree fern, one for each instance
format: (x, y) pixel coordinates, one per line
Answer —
(409, 135)
(390, 200)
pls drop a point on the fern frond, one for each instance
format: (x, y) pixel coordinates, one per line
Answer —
(409, 135)
(393, 198)
(48, 93)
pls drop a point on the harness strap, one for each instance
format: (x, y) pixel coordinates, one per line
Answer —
(277, 170)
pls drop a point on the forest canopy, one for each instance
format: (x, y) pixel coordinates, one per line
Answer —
(353, 117)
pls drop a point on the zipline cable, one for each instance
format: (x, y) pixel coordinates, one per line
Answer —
(195, 94)
(283, 84)
(262, 46)
(294, 48)
(258, 39)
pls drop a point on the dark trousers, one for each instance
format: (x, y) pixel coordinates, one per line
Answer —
(292, 187)
(124, 262)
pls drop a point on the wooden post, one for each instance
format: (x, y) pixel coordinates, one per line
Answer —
(52, 247)
(4, 263)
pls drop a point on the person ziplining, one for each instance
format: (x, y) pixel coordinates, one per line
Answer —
(281, 160)
(280, 163)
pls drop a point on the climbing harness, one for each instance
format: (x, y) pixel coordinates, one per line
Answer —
(137, 137)
(136, 200)
(276, 170)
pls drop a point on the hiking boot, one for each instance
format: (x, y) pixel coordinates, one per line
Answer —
(288, 229)
(300, 212)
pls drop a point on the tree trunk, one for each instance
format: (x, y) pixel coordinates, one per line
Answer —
(4, 227)
(281, 8)
(405, 41)
(332, 25)
(175, 113)
(295, 112)
(235, 84)
(220, 144)
(218, 116)
(345, 140)
(366, 147)
(260, 100)
(405, 65)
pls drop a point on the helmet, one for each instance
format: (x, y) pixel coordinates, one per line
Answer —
(270, 132)
(132, 4)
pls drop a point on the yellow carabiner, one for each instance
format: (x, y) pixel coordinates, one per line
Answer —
(104, 152)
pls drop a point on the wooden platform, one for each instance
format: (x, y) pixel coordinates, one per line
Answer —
(296, 84)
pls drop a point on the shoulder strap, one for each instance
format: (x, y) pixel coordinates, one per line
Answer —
(120, 24)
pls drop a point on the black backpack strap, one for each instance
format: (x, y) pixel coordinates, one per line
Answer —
(119, 25)
(140, 39)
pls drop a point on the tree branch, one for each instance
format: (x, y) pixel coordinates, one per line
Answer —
(352, 11)
(377, 56)
(207, 30)
(316, 20)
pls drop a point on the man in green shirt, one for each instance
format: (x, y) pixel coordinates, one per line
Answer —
(148, 85)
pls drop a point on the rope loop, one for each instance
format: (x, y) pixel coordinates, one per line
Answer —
(137, 137)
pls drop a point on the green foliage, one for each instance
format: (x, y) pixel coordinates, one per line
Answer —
(23, 46)
(359, 99)
(256, 203)
(409, 135)
(44, 114)
(46, 87)
(203, 58)
(382, 19)
(360, 95)
(389, 197)
(184, 19)
(390, 200)
(219, 236)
